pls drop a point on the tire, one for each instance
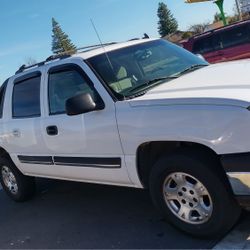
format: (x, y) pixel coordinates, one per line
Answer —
(17, 186)
(192, 196)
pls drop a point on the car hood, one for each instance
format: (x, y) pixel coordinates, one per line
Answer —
(219, 84)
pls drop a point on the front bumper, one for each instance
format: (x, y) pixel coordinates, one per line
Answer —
(240, 182)
(237, 167)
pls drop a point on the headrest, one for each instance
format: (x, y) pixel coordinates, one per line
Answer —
(122, 73)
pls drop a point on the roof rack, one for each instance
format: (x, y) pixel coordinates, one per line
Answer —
(61, 56)
(220, 28)
(51, 58)
(96, 46)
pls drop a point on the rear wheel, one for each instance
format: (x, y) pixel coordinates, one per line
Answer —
(18, 186)
(192, 196)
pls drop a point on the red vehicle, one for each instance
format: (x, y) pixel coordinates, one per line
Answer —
(228, 43)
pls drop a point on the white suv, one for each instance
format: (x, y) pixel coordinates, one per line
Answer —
(143, 114)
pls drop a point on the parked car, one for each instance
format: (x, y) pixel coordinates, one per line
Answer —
(228, 43)
(142, 114)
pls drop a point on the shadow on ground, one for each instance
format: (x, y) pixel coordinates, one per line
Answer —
(76, 215)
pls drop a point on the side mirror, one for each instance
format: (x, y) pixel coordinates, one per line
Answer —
(201, 57)
(83, 103)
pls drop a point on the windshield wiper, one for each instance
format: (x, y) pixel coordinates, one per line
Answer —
(151, 83)
(191, 68)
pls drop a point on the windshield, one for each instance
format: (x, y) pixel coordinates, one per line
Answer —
(135, 69)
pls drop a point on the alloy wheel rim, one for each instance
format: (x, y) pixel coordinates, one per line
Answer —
(187, 198)
(9, 180)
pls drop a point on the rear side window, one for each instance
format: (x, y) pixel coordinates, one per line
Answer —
(203, 45)
(2, 94)
(26, 98)
(234, 37)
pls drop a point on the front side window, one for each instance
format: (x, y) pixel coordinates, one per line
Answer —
(64, 85)
(128, 71)
(26, 98)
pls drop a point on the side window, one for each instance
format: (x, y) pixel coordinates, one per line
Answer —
(26, 98)
(217, 41)
(64, 85)
(234, 37)
(2, 94)
(203, 45)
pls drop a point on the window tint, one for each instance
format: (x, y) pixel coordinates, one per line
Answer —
(2, 93)
(203, 45)
(130, 69)
(234, 37)
(26, 98)
(64, 85)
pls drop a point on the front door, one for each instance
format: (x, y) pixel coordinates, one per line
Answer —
(83, 147)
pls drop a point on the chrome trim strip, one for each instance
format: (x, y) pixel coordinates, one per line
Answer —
(87, 165)
(46, 160)
(91, 162)
(37, 162)
(240, 182)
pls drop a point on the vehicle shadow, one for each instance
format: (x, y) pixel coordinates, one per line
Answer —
(76, 215)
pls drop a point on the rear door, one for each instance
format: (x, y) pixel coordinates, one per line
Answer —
(22, 133)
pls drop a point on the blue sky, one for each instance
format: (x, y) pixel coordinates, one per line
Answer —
(26, 24)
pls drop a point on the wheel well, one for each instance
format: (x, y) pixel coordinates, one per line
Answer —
(4, 153)
(148, 153)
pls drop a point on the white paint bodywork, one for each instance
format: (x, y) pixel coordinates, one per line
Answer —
(208, 106)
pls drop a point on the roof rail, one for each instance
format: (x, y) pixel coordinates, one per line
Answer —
(61, 56)
(133, 39)
(51, 58)
(220, 28)
(90, 47)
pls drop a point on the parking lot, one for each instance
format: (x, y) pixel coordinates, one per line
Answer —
(76, 215)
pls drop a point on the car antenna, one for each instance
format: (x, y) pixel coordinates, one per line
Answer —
(103, 47)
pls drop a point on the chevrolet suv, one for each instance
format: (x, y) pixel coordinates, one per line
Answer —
(143, 114)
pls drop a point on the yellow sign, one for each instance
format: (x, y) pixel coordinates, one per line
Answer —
(197, 1)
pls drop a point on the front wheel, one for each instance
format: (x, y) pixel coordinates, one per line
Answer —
(192, 196)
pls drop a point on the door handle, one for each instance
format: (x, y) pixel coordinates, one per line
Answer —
(16, 133)
(52, 130)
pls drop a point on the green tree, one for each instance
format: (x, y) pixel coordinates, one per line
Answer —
(60, 40)
(167, 23)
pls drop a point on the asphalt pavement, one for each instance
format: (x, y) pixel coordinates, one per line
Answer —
(76, 215)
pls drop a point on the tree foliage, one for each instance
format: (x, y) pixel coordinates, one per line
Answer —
(167, 23)
(199, 28)
(60, 40)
